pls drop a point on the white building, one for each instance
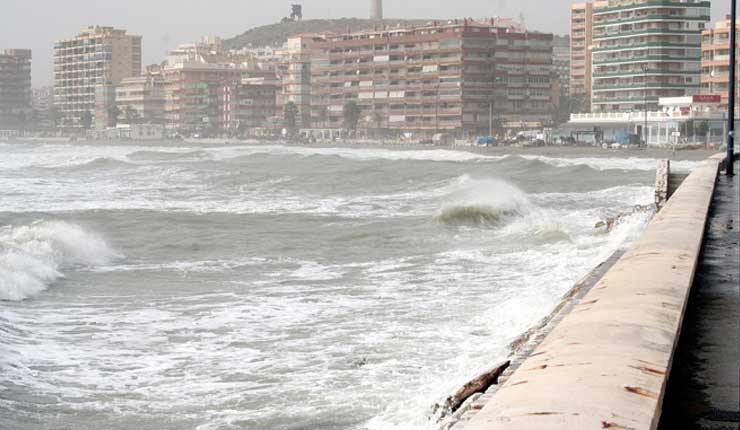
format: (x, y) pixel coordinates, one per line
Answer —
(644, 50)
(678, 120)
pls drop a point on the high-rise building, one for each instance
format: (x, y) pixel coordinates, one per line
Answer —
(561, 68)
(87, 67)
(715, 61)
(15, 88)
(460, 76)
(644, 50)
(581, 22)
(296, 57)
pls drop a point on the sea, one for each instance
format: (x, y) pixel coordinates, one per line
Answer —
(255, 286)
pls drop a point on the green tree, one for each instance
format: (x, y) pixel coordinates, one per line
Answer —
(702, 129)
(351, 113)
(290, 114)
(323, 115)
(113, 113)
(86, 120)
(131, 115)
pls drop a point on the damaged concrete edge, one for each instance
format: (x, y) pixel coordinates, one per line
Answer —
(525, 344)
(605, 363)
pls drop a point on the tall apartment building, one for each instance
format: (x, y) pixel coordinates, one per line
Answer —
(644, 50)
(296, 73)
(459, 76)
(15, 87)
(86, 69)
(561, 68)
(715, 61)
(581, 39)
(141, 99)
(194, 77)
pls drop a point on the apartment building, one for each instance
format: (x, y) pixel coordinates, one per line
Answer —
(15, 87)
(561, 68)
(250, 103)
(42, 102)
(194, 76)
(460, 76)
(715, 61)
(581, 39)
(296, 75)
(644, 50)
(141, 99)
(87, 67)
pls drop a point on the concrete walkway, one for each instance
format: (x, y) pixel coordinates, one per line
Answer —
(703, 390)
(605, 365)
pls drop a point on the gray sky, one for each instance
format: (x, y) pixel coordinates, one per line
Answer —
(35, 24)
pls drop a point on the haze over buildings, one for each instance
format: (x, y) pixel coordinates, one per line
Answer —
(187, 21)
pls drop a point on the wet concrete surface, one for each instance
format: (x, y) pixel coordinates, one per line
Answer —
(703, 387)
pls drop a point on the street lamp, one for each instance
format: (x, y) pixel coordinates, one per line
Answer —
(645, 94)
(730, 169)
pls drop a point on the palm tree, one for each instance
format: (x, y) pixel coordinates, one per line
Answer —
(351, 113)
(291, 118)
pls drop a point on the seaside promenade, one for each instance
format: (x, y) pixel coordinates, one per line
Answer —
(654, 343)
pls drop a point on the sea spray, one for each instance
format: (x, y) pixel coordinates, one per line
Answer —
(482, 202)
(34, 256)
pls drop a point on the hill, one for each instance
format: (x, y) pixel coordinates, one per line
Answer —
(276, 34)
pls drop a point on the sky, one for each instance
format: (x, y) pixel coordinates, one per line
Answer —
(35, 24)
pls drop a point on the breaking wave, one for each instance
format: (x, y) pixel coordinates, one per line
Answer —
(482, 202)
(34, 256)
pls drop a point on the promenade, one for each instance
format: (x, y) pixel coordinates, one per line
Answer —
(616, 356)
(703, 390)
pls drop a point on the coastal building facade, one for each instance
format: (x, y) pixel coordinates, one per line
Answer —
(194, 76)
(15, 87)
(644, 50)
(296, 76)
(462, 77)
(86, 69)
(715, 62)
(141, 99)
(249, 104)
(581, 23)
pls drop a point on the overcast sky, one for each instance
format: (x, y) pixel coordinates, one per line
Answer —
(35, 24)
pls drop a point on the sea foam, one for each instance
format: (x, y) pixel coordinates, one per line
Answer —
(34, 256)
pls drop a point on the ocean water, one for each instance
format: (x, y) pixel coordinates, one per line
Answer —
(279, 287)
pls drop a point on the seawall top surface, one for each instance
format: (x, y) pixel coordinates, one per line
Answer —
(606, 364)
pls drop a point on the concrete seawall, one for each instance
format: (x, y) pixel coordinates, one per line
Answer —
(605, 364)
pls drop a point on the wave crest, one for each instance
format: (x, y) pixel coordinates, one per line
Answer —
(34, 256)
(482, 202)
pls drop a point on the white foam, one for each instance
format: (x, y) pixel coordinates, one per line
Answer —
(34, 256)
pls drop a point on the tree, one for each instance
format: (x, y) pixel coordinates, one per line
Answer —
(323, 115)
(86, 120)
(131, 115)
(351, 113)
(290, 114)
(571, 104)
(113, 113)
(377, 119)
(702, 129)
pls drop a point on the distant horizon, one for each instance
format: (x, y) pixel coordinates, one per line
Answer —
(229, 18)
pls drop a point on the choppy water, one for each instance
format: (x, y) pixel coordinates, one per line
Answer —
(272, 287)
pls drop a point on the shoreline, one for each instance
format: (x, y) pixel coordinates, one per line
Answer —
(554, 151)
(526, 343)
